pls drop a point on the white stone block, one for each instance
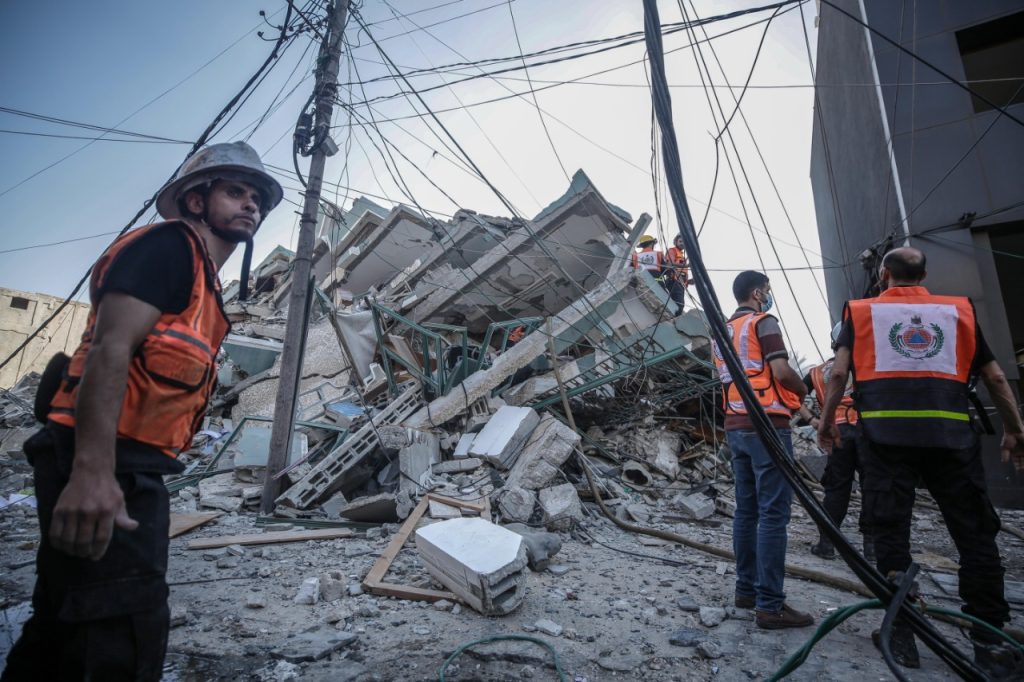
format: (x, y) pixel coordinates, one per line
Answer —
(504, 435)
(544, 453)
(561, 505)
(479, 561)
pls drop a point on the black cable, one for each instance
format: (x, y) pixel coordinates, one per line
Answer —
(716, 322)
(91, 139)
(891, 612)
(86, 126)
(200, 141)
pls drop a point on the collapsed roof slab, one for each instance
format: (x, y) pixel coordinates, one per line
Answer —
(376, 250)
(539, 268)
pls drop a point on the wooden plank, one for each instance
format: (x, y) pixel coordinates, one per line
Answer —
(374, 579)
(183, 523)
(271, 538)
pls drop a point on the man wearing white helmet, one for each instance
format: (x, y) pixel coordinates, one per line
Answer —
(129, 400)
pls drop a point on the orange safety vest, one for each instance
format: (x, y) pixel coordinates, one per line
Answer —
(774, 398)
(846, 413)
(677, 259)
(649, 260)
(173, 371)
(912, 357)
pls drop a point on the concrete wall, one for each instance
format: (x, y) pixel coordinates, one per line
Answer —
(935, 132)
(16, 323)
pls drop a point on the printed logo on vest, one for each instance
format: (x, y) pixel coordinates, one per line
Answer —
(915, 337)
(915, 340)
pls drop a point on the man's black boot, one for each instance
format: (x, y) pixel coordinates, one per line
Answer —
(824, 549)
(869, 548)
(904, 648)
(999, 659)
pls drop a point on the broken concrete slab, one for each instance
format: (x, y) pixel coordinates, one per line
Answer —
(309, 592)
(315, 645)
(516, 504)
(664, 456)
(502, 438)
(228, 504)
(561, 506)
(457, 466)
(636, 473)
(415, 459)
(440, 510)
(462, 447)
(696, 506)
(543, 455)
(373, 508)
(477, 560)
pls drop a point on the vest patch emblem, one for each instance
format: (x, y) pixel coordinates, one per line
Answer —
(916, 340)
(915, 337)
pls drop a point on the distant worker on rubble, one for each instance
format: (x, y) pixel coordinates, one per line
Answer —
(763, 496)
(677, 272)
(914, 357)
(843, 460)
(130, 399)
(653, 261)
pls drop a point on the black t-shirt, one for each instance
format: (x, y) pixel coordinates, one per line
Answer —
(156, 268)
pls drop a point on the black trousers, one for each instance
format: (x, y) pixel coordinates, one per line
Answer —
(676, 291)
(956, 480)
(96, 620)
(843, 464)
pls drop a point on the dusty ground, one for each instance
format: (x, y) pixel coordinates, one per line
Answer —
(618, 611)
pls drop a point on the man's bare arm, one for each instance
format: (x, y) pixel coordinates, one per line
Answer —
(827, 431)
(1006, 405)
(92, 501)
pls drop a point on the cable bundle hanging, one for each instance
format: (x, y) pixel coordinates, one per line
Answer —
(867, 573)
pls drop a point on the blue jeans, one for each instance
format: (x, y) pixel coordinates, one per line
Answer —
(763, 498)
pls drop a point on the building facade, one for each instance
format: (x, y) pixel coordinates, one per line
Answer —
(900, 154)
(20, 313)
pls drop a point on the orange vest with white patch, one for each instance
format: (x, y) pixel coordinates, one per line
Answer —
(774, 398)
(173, 371)
(912, 355)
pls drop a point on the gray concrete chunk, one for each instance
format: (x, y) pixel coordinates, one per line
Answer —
(544, 453)
(561, 505)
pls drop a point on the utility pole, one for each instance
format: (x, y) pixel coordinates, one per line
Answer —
(325, 91)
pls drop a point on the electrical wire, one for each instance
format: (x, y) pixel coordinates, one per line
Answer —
(200, 141)
(770, 438)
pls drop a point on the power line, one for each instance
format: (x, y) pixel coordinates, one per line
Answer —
(58, 243)
(93, 139)
(149, 202)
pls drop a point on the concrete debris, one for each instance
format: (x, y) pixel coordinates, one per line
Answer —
(457, 466)
(477, 560)
(415, 460)
(502, 438)
(548, 627)
(543, 455)
(440, 510)
(696, 506)
(516, 504)
(711, 616)
(540, 545)
(561, 506)
(309, 591)
(374, 508)
(636, 473)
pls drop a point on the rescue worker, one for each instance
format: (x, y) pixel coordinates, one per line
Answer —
(648, 258)
(677, 273)
(763, 495)
(913, 356)
(843, 461)
(131, 397)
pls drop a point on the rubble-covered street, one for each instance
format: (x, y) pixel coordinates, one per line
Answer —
(436, 493)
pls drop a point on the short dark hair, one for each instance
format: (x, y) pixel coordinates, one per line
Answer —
(905, 264)
(745, 283)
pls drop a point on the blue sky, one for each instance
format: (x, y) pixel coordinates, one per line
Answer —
(102, 61)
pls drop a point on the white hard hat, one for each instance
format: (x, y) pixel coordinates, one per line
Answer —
(835, 332)
(222, 161)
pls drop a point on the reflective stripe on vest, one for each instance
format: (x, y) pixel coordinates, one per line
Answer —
(775, 399)
(911, 359)
(845, 411)
(173, 371)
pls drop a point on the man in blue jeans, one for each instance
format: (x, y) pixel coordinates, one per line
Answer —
(763, 495)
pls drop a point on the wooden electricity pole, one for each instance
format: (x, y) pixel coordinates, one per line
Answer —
(325, 91)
